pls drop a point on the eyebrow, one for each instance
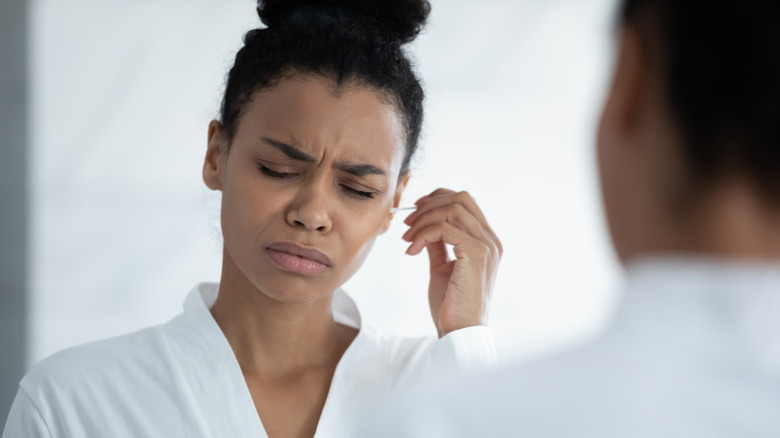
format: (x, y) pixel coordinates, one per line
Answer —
(295, 154)
(298, 155)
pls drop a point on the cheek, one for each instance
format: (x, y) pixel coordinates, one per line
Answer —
(359, 238)
(606, 161)
(616, 189)
(358, 257)
(246, 208)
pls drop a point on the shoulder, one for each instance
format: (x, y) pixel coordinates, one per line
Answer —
(131, 385)
(96, 364)
(609, 387)
(393, 350)
(468, 349)
(373, 345)
(525, 399)
(458, 345)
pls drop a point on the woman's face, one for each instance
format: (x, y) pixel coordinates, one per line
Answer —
(307, 185)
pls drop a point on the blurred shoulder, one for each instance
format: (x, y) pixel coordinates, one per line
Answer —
(609, 387)
(529, 398)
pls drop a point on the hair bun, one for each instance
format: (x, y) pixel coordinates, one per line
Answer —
(400, 20)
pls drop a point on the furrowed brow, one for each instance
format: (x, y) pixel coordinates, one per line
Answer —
(295, 154)
(360, 169)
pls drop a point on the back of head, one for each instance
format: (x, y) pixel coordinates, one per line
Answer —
(720, 62)
(352, 42)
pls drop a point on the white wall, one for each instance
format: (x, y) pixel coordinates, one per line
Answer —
(123, 227)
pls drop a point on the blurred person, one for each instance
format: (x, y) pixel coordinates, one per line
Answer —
(320, 118)
(689, 157)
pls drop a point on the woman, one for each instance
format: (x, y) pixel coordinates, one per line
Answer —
(689, 162)
(320, 119)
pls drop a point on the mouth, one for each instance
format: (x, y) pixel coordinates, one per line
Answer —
(295, 258)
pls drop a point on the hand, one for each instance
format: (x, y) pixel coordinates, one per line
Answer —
(459, 291)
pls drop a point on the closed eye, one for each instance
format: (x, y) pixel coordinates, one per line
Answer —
(275, 174)
(358, 193)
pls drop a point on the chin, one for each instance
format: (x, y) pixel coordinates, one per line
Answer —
(294, 289)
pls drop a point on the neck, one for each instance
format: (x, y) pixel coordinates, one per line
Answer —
(729, 221)
(274, 338)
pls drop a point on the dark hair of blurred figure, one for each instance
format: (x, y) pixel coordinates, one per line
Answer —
(689, 138)
(355, 43)
(720, 67)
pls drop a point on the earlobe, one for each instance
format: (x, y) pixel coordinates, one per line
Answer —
(215, 153)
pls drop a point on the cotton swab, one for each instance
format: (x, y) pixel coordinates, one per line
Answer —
(397, 209)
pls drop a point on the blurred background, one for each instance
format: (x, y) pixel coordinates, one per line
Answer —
(106, 224)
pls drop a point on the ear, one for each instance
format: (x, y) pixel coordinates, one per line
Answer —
(216, 152)
(623, 105)
(399, 190)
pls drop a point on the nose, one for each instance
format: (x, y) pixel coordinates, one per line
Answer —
(310, 209)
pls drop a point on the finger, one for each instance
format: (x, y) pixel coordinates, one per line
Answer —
(442, 197)
(437, 253)
(435, 193)
(455, 214)
(461, 241)
(438, 192)
(417, 202)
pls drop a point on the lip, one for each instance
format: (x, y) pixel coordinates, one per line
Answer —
(295, 258)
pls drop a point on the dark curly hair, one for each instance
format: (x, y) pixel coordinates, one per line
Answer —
(720, 63)
(353, 42)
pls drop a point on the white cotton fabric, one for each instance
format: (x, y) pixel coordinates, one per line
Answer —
(181, 379)
(694, 351)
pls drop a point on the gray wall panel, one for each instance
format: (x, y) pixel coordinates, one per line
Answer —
(13, 197)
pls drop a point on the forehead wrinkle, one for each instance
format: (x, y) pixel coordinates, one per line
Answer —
(338, 137)
(342, 150)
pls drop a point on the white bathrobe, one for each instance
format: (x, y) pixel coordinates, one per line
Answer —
(181, 379)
